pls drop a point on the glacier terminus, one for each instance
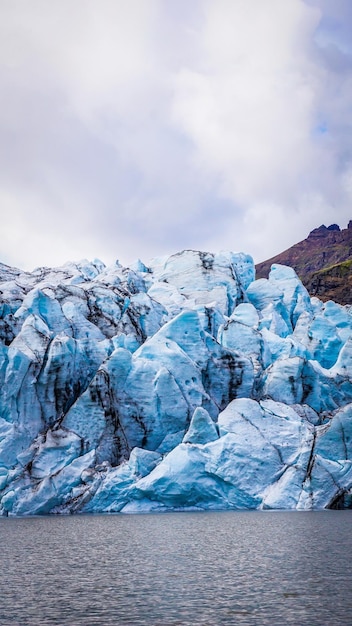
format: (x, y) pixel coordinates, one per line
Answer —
(183, 384)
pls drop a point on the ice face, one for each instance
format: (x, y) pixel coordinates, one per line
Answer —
(179, 383)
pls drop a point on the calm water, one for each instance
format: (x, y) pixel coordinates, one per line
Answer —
(210, 568)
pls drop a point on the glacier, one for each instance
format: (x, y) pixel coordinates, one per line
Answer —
(181, 384)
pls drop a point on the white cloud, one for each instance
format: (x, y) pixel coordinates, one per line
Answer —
(250, 106)
(253, 105)
(131, 128)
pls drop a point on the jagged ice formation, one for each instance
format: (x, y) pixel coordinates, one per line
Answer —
(182, 384)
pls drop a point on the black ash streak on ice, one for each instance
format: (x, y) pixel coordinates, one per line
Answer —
(181, 384)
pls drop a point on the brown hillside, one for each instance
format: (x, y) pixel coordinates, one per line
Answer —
(323, 262)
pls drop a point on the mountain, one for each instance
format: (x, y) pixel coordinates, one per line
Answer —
(183, 383)
(323, 262)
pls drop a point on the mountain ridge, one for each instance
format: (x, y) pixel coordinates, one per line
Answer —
(323, 262)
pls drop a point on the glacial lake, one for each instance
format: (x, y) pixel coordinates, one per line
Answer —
(211, 568)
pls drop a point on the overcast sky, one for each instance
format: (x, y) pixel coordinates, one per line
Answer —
(135, 128)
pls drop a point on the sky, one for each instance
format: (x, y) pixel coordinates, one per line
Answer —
(137, 128)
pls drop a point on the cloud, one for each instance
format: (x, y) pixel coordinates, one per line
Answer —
(249, 109)
(134, 128)
(253, 108)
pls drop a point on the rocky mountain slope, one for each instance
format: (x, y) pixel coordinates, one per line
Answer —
(183, 383)
(323, 262)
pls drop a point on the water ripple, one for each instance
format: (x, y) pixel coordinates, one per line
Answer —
(215, 568)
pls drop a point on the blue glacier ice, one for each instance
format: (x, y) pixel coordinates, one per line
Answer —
(183, 383)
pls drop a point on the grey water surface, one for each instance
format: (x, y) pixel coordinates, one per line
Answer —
(240, 568)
